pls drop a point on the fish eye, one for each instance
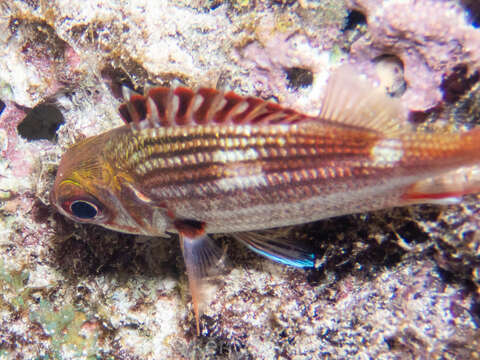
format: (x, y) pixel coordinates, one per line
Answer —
(83, 209)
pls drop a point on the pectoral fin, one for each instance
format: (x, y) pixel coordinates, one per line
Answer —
(278, 248)
(200, 255)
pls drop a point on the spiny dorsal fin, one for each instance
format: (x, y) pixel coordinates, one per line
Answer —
(352, 100)
(348, 100)
(162, 106)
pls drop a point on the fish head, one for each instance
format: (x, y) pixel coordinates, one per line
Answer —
(90, 189)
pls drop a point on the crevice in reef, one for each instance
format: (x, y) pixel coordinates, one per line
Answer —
(116, 78)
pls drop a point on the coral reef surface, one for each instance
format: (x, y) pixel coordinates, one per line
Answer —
(395, 284)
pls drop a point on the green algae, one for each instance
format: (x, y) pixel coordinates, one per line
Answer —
(6, 91)
(14, 283)
(64, 326)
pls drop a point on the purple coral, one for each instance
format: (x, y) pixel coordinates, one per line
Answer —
(431, 38)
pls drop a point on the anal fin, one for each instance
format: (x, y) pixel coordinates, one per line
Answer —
(447, 188)
(200, 255)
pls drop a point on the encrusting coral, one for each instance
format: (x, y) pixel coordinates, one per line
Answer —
(430, 38)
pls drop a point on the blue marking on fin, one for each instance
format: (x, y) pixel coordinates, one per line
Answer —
(279, 249)
(308, 261)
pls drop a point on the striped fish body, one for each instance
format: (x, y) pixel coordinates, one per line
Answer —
(250, 177)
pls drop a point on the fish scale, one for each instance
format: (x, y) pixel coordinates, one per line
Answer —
(270, 147)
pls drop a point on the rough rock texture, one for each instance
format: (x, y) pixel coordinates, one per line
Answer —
(396, 284)
(430, 37)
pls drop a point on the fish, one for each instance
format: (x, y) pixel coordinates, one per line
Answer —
(200, 162)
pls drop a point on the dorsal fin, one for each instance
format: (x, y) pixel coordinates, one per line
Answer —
(162, 106)
(348, 100)
(352, 100)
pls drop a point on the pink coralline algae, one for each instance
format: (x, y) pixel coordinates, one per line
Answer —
(430, 37)
(269, 58)
(20, 164)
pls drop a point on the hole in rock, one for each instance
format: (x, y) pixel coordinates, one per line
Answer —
(42, 122)
(390, 71)
(354, 18)
(458, 83)
(298, 77)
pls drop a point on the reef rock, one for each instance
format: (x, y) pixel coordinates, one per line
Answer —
(402, 283)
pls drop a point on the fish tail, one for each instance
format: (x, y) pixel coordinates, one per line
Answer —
(445, 151)
(465, 148)
(459, 156)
